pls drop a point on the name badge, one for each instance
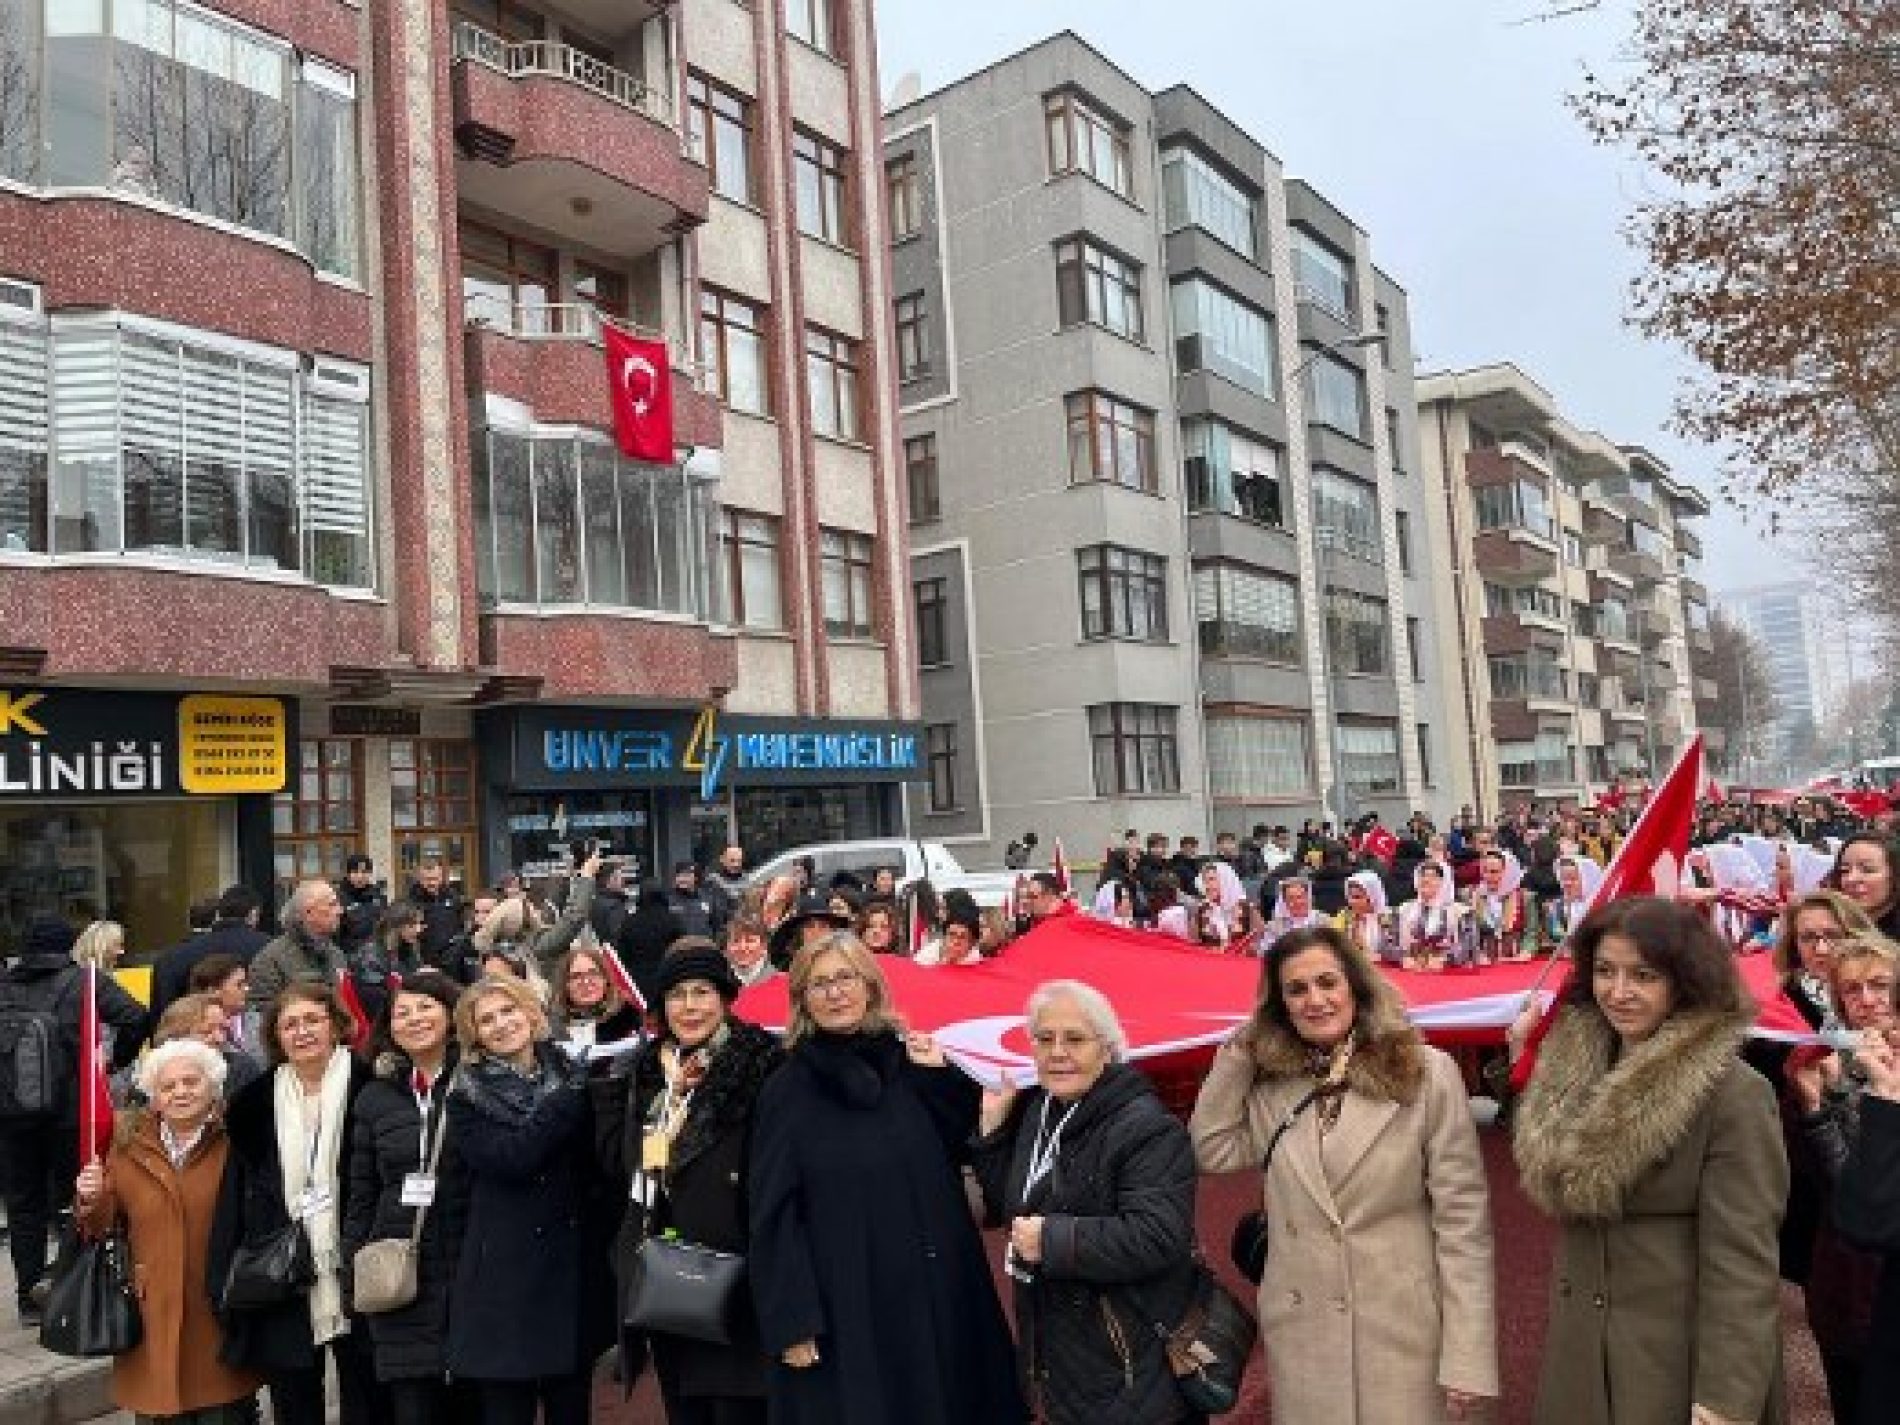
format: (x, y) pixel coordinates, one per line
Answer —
(418, 1190)
(640, 1190)
(655, 1151)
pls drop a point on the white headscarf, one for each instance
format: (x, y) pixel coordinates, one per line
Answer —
(1513, 871)
(1232, 893)
(1372, 884)
(1280, 912)
(1589, 877)
(1447, 892)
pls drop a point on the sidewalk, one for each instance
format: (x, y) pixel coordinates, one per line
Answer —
(39, 1388)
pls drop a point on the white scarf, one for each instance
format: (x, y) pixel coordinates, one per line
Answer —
(302, 1168)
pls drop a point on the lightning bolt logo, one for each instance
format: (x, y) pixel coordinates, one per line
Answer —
(706, 753)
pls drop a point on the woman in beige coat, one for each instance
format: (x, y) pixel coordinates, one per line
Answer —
(1660, 1154)
(1377, 1303)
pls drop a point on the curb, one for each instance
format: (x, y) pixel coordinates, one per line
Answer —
(38, 1388)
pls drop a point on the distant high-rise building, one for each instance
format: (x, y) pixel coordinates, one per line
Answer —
(1808, 646)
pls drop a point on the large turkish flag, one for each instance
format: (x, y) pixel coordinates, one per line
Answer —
(640, 387)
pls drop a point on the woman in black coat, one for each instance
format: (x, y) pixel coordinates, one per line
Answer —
(398, 1124)
(1095, 1181)
(875, 1301)
(695, 1087)
(518, 1332)
(305, 1032)
(1867, 1208)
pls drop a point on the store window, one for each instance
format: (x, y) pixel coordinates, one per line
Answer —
(318, 823)
(432, 805)
(546, 830)
(772, 821)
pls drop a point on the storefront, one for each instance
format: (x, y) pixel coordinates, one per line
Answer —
(129, 806)
(662, 785)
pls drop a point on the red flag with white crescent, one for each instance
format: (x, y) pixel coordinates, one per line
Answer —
(1382, 843)
(640, 389)
(95, 1093)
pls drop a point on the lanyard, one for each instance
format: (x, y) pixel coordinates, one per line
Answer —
(1042, 1153)
(423, 1089)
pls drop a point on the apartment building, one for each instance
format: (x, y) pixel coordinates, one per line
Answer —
(313, 536)
(1570, 600)
(1160, 446)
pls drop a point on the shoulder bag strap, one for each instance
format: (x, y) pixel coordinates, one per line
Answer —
(1280, 1129)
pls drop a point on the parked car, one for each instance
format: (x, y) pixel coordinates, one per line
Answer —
(909, 860)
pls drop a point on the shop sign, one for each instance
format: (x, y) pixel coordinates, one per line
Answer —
(606, 747)
(83, 742)
(368, 720)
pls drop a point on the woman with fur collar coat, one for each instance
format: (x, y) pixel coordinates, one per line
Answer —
(1660, 1154)
(1378, 1299)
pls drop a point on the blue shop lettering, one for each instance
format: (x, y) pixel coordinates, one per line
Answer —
(826, 751)
(570, 750)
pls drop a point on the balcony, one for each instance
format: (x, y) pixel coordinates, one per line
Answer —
(1514, 555)
(612, 18)
(578, 148)
(1601, 520)
(1645, 566)
(1512, 633)
(549, 358)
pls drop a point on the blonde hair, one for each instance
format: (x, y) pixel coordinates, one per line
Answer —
(181, 1017)
(100, 943)
(1856, 948)
(508, 924)
(1846, 913)
(879, 1015)
(520, 991)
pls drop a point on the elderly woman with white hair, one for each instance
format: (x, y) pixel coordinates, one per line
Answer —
(159, 1185)
(1095, 1180)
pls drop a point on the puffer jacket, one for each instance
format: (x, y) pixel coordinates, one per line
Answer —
(1117, 1245)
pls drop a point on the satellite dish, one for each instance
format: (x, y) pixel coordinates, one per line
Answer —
(909, 88)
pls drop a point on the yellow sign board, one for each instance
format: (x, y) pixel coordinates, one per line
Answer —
(231, 744)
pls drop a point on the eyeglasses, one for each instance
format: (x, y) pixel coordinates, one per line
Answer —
(585, 977)
(1819, 937)
(1047, 1041)
(828, 985)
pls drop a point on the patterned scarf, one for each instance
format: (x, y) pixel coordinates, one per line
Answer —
(1327, 1068)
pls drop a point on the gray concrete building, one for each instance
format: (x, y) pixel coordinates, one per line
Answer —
(1161, 448)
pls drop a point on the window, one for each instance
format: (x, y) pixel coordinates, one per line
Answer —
(1536, 674)
(831, 373)
(1322, 276)
(903, 197)
(933, 627)
(233, 454)
(1414, 637)
(1520, 505)
(913, 338)
(317, 823)
(24, 431)
(1111, 440)
(732, 344)
(174, 105)
(920, 474)
(813, 22)
(940, 751)
(1394, 442)
(753, 588)
(1346, 514)
(1133, 748)
(1199, 195)
(602, 289)
(1573, 547)
(1382, 323)
(1336, 395)
(432, 804)
(719, 135)
(845, 581)
(1094, 285)
(1402, 536)
(564, 520)
(1357, 633)
(1082, 139)
(1124, 593)
(1547, 759)
(1589, 690)
(818, 178)
(1222, 334)
(1369, 758)
(1424, 753)
(1243, 613)
(508, 282)
(1229, 474)
(1502, 601)
(1258, 758)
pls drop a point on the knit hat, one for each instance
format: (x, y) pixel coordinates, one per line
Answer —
(693, 957)
(48, 935)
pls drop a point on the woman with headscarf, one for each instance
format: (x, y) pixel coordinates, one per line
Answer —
(1432, 926)
(1293, 909)
(1577, 879)
(1367, 919)
(1503, 924)
(1220, 919)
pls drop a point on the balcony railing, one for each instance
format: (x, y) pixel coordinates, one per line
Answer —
(560, 61)
(565, 321)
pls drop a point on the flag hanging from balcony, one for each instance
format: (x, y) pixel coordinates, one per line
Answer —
(640, 388)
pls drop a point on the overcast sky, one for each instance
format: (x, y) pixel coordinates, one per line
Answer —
(1440, 126)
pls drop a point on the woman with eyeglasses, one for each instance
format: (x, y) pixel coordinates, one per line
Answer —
(1095, 1181)
(874, 1298)
(588, 1016)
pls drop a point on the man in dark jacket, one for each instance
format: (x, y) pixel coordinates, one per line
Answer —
(441, 908)
(39, 1153)
(233, 932)
(724, 885)
(611, 904)
(305, 951)
(364, 901)
(691, 909)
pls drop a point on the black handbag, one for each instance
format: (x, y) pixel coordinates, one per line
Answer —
(268, 1273)
(1208, 1349)
(1247, 1247)
(679, 1289)
(90, 1310)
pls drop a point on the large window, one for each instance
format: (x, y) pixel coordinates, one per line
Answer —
(845, 582)
(1229, 474)
(317, 822)
(1111, 440)
(212, 449)
(719, 134)
(1536, 674)
(1543, 760)
(1134, 749)
(1322, 276)
(831, 377)
(1336, 395)
(432, 805)
(564, 520)
(1216, 332)
(1346, 514)
(1520, 505)
(913, 337)
(903, 197)
(819, 170)
(1094, 285)
(814, 22)
(1357, 632)
(732, 337)
(508, 282)
(1199, 195)
(1124, 593)
(1082, 139)
(1369, 758)
(1258, 758)
(176, 105)
(933, 622)
(920, 475)
(940, 750)
(1503, 601)
(1243, 613)
(753, 590)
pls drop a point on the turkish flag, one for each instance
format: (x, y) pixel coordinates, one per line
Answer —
(1611, 799)
(640, 389)
(353, 1003)
(1382, 843)
(1866, 805)
(95, 1093)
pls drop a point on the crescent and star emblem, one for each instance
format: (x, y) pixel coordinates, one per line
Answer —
(641, 381)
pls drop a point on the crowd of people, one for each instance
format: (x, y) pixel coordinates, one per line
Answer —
(473, 1083)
